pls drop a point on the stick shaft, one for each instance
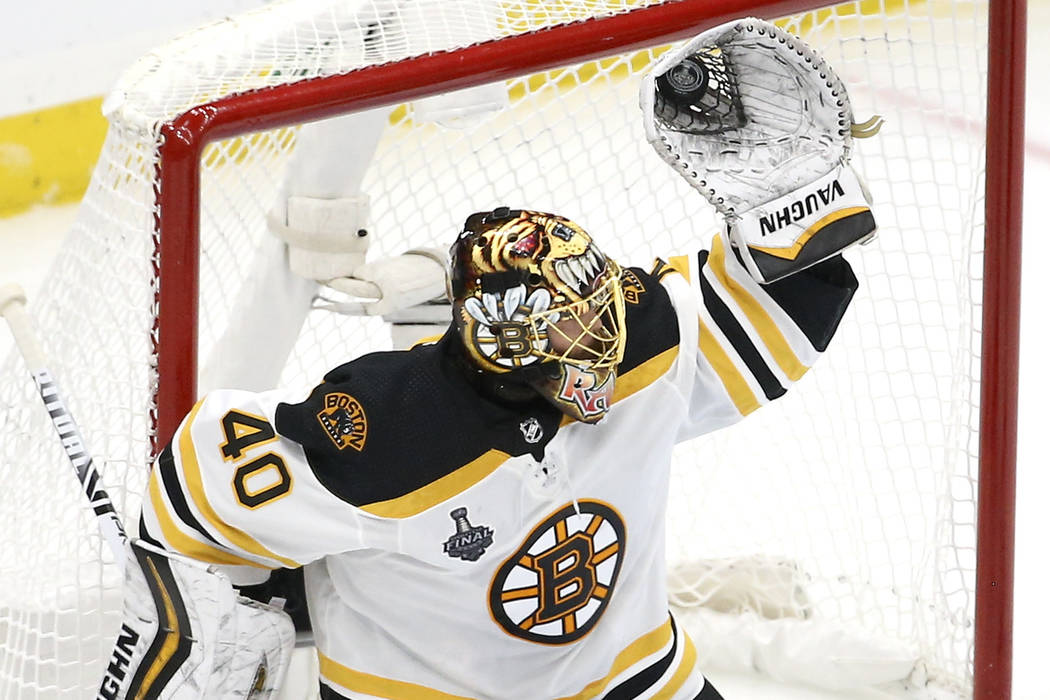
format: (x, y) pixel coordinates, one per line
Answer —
(12, 307)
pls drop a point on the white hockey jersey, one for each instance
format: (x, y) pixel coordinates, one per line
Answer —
(458, 546)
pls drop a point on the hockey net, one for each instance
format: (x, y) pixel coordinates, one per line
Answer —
(849, 505)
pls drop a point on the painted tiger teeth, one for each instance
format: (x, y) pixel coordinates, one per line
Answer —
(581, 274)
(579, 271)
(588, 266)
(565, 272)
(596, 260)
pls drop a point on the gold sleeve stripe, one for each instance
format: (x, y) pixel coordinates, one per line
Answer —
(681, 264)
(681, 675)
(735, 385)
(194, 484)
(646, 645)
(183, 543)
(767, 328)
(415, 502)
(368, 684)
(792, 252)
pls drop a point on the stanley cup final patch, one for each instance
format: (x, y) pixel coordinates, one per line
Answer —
(344, 420)
(469, 542)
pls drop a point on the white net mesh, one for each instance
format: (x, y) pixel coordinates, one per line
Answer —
(863, 477)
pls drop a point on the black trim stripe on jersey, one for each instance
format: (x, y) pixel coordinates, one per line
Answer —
(638, 684)
(162, 659)
(328, 694)
(170, 481)
(144, 534)
(647, 677)
(737, 337)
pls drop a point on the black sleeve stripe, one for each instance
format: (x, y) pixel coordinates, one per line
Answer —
(737, 337)
(170, 481)
(145, 536)
(328, 694)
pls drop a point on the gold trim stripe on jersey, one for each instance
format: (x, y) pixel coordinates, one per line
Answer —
(195, 485)
(638, 378)
(415, 502)
(679, 263)
(644, 374)
(646, 645)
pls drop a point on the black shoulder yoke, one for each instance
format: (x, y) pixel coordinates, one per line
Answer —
(652, 325)
(389, 423)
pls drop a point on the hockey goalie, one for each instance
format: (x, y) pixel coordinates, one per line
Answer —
(483, 516)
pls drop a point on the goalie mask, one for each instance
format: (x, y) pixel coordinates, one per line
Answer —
(534, 298)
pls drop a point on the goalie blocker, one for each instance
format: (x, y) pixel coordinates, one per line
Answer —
(758, 123)
(187, 634)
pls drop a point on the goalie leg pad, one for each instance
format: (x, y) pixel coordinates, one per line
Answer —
(187, 634)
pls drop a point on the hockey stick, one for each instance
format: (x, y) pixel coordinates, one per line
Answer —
(12, 308)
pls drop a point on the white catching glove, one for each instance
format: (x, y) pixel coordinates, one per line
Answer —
(187, 635)
(760, 124)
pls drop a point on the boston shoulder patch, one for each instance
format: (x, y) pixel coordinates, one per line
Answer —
(343, 420)
(556, 586)
(633, 289)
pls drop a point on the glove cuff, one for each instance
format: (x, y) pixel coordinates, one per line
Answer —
(803, 227)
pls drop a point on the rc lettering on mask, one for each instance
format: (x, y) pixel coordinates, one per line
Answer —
(579, 388)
